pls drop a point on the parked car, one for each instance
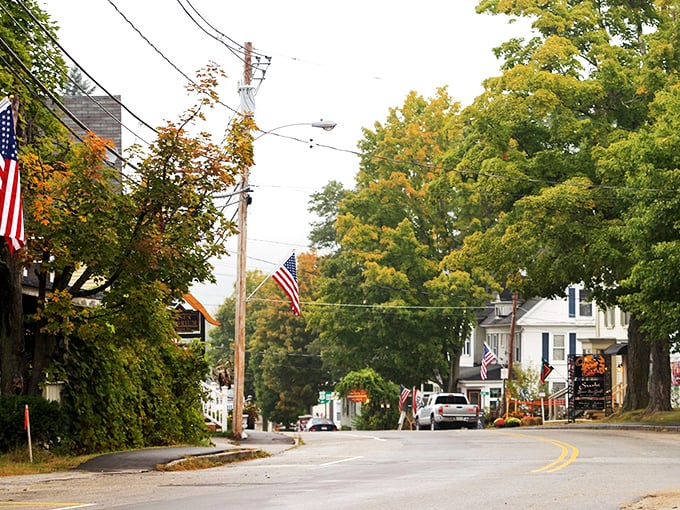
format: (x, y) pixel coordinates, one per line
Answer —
(317, 424)
(447, 409)
(302, 422)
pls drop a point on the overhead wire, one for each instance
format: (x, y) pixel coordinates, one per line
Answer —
(68, 78)
(52, 97)
(68, 55)
(172, 64)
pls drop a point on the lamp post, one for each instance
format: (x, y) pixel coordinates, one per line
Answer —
(247, 95)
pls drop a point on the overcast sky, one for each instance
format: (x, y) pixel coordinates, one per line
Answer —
(343, 61)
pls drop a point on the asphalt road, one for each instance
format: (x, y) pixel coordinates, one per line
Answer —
(533, 468)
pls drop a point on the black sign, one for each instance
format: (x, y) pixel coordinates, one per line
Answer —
(188, 321)
(590, 384)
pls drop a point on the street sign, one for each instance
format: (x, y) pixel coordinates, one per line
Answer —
(325, 397)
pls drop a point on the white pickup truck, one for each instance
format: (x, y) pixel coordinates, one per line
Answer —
(447, 409)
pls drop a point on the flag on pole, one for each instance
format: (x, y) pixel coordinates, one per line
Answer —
(414, 401)
(404, 392)
(286, 277)
(11, 210)
(545, 371)
(27, 419)
(488, 357)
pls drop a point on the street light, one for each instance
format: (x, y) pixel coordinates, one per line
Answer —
(326, 125)
(240, 322)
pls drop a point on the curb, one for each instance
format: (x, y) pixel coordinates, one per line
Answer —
(224, 457)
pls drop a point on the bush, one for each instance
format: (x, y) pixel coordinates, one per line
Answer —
(531, 421)
(48, 423)
(499, 422)
(512, 422)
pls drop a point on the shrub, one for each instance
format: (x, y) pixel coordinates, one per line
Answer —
(512, 422)
(531, 421)
(47, 419)
(499, 422)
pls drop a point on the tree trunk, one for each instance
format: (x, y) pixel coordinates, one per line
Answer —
(660, 382)
(13, 364)
(637, 375)
(454, 373)
(43, 352)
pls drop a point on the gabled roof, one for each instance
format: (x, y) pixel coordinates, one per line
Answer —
(523, 307)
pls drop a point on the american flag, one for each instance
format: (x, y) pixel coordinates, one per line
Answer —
(488, 357)
(11, 211)
(286, 277)
(404, 392)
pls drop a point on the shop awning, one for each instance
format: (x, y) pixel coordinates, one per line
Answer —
(615, 349)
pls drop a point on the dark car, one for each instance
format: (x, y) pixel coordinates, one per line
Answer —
(317, 424)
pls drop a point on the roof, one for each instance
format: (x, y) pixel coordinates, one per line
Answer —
(523, 307)
(493, 373)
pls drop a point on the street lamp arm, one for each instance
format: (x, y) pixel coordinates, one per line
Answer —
(326, 125)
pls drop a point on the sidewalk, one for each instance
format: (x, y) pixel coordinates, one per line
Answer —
(149, 458)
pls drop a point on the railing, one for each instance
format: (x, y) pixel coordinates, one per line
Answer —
(217, 404)
(618, 394)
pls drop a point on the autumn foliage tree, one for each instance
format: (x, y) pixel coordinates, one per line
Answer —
(112, 251)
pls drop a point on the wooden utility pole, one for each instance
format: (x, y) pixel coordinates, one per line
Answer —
(247, 109)
(511, 349)
(511, 340)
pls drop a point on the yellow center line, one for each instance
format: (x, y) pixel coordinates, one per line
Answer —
(568, 454)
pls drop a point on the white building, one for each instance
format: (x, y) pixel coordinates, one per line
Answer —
(545, 329)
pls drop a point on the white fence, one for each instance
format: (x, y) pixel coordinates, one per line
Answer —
(217, 404)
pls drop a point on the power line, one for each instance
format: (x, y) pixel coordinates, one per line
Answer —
(172, 64)
(66, 75)
(53, 98)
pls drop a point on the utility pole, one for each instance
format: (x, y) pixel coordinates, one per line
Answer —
(511, 349)
(247, 95)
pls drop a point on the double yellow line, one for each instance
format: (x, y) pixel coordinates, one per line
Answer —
(568, 454)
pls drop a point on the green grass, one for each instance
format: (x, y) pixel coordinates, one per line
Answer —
(17, 462)
(639, 416)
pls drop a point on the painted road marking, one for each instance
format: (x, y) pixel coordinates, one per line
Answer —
(568, 453)
(341, 460)
(56, 505)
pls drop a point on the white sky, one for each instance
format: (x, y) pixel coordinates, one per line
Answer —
(343, 61)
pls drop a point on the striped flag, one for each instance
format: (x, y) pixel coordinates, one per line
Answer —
(414, 401)
(488, 357)
(286, 277)
(11, 210)
(404, 392)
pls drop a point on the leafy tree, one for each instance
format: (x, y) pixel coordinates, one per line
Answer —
(400, 311)
(326, 205)
(32, 69)
(283, 367)
(286, 367)
(132, 243)
(583, 82)
(220, 350)
(375, 412)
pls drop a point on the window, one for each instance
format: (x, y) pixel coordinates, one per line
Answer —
(610, 317)
(518, 347)
(466, 347)
(585, 305)
(494, 393)
(558, 348)
(624, 318)
(558, 386)
(492, 341)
